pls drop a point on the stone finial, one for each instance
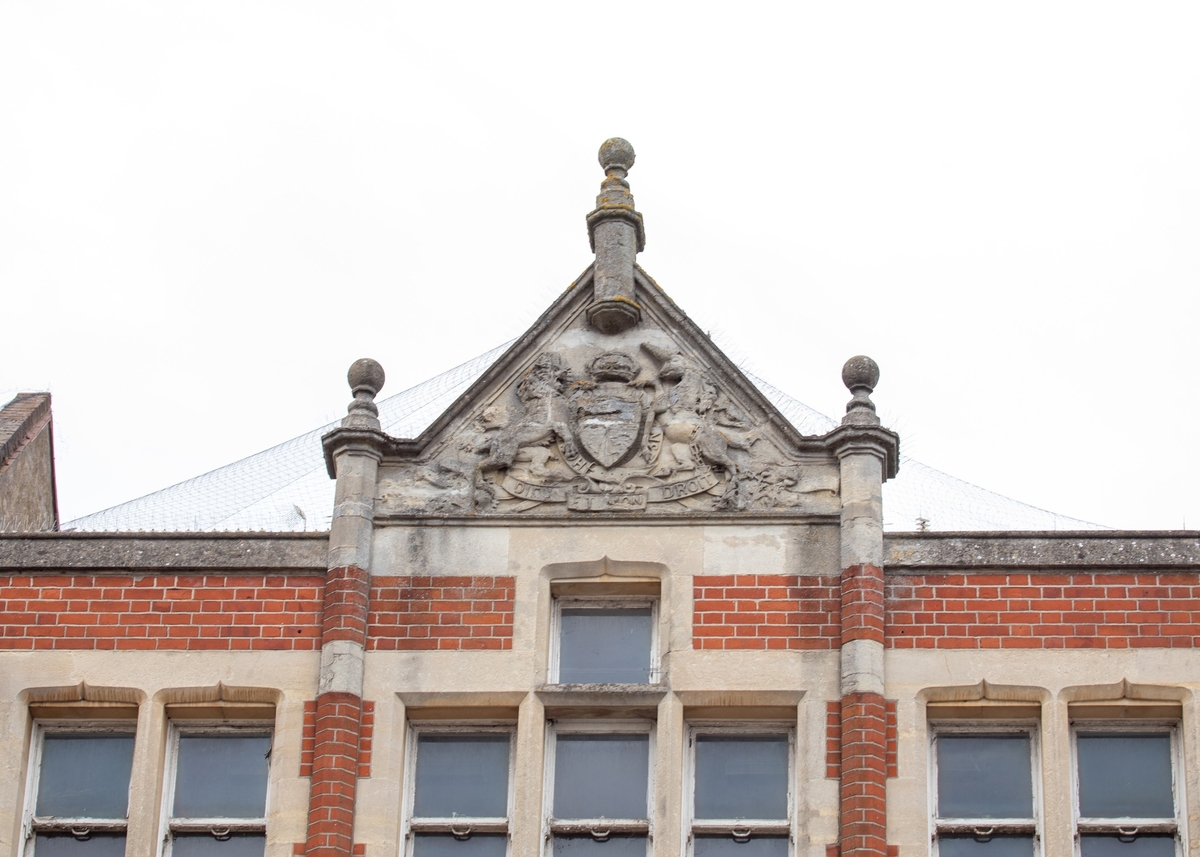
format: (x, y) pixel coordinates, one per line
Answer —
(617, 235)
(616, 154)
(366, 379)
(860, 375)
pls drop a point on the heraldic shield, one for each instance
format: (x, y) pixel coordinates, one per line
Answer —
(609, 424)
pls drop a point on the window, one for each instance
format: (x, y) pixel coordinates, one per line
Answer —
(985, 791)
(1126, 791)
(79, 783)
(216, 802)
(459, 792)
(605, 641)
(599, 789)
(741, 799)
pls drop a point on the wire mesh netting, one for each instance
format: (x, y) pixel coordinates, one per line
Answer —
(286, 488)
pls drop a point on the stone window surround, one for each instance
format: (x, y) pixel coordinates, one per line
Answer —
(120, 722)
(948, 725)
(1129, 704)
(598, 827)
(411, 825)
(218, 827)
(734, 728)
(86, 707)
(1139, 726)
(600, 601)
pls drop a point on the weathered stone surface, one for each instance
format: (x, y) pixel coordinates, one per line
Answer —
(588, 427)
(982, 552)
(149, 551)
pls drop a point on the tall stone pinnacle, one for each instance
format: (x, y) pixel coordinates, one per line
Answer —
(617, 235)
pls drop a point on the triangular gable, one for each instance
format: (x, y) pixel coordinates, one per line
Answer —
(653, 420)
(613, 403)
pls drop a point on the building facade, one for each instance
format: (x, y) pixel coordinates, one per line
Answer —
(610, 603)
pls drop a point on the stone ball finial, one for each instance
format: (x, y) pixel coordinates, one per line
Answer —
(860, 375)
(367, 375)
(860, 371)
(616, 153)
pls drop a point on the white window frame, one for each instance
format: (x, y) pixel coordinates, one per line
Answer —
(1130, 826)
(984, 828)
(218, 828)
(32, 825)
(629, 602)
(739, 829)
(599, 828)
(459, 827)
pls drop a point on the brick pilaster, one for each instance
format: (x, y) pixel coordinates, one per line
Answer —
(862, 603)
(864, 749)
(334, 775)
(863, 819)
(338, 720)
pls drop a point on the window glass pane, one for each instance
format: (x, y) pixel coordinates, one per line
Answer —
(100, 845)
(445, 845)
(1015, 845)
(465, 775)
(601, 776)
(206, 845)
(1124, 775)
(741, 776)
(222, 776)
(84, 775)
(605, 645)
(1145, 845)
(618, 845)
(984, 776)
(727, 846)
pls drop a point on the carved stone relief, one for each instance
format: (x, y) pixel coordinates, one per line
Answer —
(620, 432)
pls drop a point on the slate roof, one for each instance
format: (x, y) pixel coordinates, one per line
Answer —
(286, 488)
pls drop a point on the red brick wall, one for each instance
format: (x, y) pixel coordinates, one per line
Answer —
(308, 738)
(863, 815)
(412, 613)
(335, 770)
(833, 739)
(766, 611)
(1050, 610)
(195, 612)
(862, 603)
(345, 612)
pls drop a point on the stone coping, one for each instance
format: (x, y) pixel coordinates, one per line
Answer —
(1103, 551)
(307, 552)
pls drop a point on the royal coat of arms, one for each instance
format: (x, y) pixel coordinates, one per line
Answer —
(609, 419)
(623, 435)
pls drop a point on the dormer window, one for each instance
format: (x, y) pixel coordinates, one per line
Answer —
(610, 640)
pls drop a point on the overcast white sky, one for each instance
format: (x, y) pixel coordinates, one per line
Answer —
(208, 210)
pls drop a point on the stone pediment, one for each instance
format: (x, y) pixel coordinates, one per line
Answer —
(613, 404)
(652, 420)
